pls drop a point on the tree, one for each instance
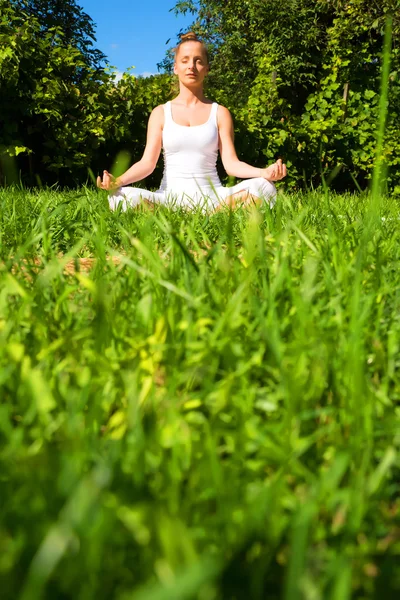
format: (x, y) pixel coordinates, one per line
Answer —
(303, 77)
(59, 114)
(77, 26)
(50, 99)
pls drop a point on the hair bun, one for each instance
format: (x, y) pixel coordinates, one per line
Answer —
(189, 37)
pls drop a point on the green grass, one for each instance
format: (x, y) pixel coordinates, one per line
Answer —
(216, 417)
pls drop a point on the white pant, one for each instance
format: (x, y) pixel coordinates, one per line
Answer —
(207, 198)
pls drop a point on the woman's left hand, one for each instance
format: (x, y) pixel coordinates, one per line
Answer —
(275, 172)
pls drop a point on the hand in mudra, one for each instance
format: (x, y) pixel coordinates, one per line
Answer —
(109, 182)
(275, 172)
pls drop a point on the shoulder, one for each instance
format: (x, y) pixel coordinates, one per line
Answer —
(223, 110)
(157, 115)
(224, 116)
(158, 111)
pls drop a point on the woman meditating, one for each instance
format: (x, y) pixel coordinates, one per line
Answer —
(191, 129)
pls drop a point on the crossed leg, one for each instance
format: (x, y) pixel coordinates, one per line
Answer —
(129, 197)
(251, 192)
(239, 199)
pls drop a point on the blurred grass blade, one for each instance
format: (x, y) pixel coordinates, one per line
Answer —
(342, 584)
(298, 551)
(61, 534)
(183, 586)
(378, 177)
(121, 163)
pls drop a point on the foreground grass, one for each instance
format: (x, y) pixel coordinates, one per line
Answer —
(214, 414)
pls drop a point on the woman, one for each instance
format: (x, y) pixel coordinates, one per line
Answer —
(191, 129)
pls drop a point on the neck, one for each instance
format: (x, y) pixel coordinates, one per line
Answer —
(190, 95)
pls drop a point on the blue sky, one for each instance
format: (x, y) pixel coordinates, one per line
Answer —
(134, 32)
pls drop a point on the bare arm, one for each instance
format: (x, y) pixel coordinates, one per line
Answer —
(146, 165)
(232, 165)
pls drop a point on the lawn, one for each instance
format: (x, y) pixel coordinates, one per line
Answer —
(205, 407)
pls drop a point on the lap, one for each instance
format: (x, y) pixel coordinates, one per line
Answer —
(258, 187)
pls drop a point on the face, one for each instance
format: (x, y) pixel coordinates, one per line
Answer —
(191, 64)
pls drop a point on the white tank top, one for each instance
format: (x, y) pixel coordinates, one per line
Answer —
(190, 155)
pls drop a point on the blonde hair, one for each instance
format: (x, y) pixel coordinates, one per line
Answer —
(191, 37)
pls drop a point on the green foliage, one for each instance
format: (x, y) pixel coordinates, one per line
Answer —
(283, 70)
(78, 28)
(215, 416)
(60, 115)
(301, 79)
(51, 101)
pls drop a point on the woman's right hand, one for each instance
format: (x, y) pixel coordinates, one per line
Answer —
(109, 182)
